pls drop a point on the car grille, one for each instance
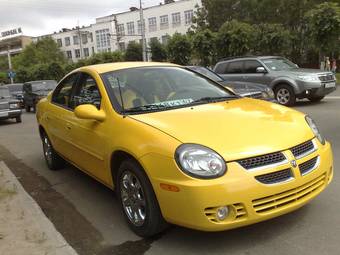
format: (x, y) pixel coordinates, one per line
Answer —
(4, 106)
(263, 160)
(283, 199)
(239, 212)
(303, 149)
(275, 177)
(308, 166)
(327, 77)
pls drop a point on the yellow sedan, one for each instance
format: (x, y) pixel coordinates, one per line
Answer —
(179, 148)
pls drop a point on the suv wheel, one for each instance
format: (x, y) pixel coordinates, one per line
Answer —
(316, 98)
(53, 160)
(138, 200)
(285, 95)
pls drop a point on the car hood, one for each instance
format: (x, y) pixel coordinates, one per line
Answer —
(306, 71)
(235, 129)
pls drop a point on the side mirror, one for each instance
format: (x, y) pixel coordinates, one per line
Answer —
(89, 112)
(261, 69)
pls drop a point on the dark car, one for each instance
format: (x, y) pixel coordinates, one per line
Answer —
(36, 90)
(246, 89)
(9, 106)
(16, 91)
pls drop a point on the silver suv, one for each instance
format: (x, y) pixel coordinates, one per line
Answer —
(288, 81)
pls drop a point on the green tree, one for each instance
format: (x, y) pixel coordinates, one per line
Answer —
(204, 47)
(235, 39)
(199, 20)
(272, 39)
(158, 51)
(179, 49)
(134, 52)
(324, 27)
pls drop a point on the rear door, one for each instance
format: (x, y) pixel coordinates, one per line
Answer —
(59, 115)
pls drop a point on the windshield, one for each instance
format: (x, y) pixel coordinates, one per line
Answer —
(159, 88)
(4, 92)
(207, 72)
(43, 86)
(279, 64)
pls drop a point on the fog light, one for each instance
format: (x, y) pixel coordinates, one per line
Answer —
(222, 213)
(307, 92)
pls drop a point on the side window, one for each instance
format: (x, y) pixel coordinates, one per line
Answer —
(87, 92)
(221, 68)
(235, 67)
(251, 65)
(62, 93)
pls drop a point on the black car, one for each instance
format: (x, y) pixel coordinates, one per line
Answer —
(16, 92)
(246, 89)
(36, 90)
(9, 106)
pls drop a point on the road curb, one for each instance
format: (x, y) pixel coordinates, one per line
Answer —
(36, 234)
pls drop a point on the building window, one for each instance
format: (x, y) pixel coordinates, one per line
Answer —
(165, 39)
(164, 21)
(152, 24)
(139, 24)
(122, 46)
(120, 29)
(103, 39)
(176, 19)
(91, 37)
(130, 28)
(188, 17)
(59, 42)
(77, 53)
(86, 52)
(67, 41)
(84, 38)
(75, 40)
(153, 39)
(69, 54)
(93, 50)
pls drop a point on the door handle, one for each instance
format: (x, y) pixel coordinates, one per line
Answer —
(68, 126)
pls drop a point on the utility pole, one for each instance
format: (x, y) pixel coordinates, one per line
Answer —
(143, 30)
(80, 43)
(9, 62)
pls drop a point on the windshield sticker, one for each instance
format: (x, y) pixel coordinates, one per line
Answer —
(175, 102)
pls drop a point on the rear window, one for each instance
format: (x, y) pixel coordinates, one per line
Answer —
(221, 68)
(235, 67)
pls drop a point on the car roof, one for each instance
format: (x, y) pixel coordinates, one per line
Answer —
(247, 57)
(109, 67)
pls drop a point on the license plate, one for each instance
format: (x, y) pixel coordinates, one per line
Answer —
(330, 85)
(3, 114)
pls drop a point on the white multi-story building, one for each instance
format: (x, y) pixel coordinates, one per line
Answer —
(115, 31)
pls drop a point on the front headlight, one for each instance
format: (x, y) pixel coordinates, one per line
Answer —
(13, 106)
(309, 78)
(200, 161)
(315, 130)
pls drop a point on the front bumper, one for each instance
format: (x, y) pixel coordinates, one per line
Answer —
(10, 114)
(317, 89)
(195, 202)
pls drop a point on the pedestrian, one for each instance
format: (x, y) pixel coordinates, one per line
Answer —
(327, 64)
(333, 67)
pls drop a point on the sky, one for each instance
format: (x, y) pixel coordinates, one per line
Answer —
(39, 17)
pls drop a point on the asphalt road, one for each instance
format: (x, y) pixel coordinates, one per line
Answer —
(314, 229)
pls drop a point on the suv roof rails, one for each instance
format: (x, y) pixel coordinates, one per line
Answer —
(235, 57)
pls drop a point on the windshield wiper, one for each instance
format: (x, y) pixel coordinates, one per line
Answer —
(143, 108)
(214, 99)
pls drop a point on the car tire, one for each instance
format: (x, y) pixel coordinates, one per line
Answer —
(53, 160)
(27, 108)
(18, 119)
(138, 200)
(285, 95)
(315, 99)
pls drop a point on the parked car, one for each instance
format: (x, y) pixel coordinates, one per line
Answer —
(16, 91)
(246, 89)
(180, 148)
(288, 81)
(35, 90)
(9, 106)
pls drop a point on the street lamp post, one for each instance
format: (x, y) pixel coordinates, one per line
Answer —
(143, 30)
(9, 62)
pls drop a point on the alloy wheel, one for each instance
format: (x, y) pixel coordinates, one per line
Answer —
(47, 150)
(283, 96)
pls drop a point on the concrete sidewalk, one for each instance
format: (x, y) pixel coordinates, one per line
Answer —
(24, 228)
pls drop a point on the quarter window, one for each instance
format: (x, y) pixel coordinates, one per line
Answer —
(86, 93)
(250, 66)
(62, 93)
